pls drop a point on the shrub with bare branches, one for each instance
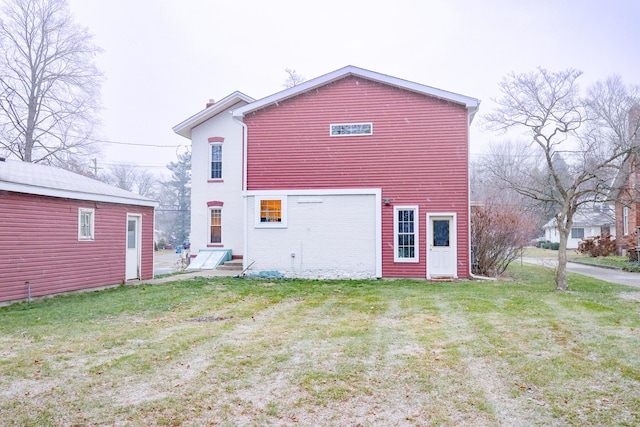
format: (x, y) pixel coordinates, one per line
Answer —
(498, 234)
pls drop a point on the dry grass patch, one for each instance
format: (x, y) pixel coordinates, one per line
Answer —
(235, 352)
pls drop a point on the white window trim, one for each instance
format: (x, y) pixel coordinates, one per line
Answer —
(91, 212)
(211, 145)
(416, 232)
(211, 209)
(283, 204)
(625, 220)
(350, 124)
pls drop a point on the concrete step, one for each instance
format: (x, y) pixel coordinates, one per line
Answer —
(234, 264)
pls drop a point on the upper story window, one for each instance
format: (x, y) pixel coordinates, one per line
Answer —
(346, 129)
(85, 223)
(216, 161)
(215, 157)
(271, 212)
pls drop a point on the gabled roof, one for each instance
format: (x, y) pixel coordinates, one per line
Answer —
(34, 178)
(471, 104)
(184, 128)
(589, 218)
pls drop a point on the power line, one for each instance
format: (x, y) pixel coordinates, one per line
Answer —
(138, 144)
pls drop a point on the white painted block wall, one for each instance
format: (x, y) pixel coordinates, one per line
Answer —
(329, 236)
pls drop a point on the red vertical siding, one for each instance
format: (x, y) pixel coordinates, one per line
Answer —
(39, 243)
(418, 154)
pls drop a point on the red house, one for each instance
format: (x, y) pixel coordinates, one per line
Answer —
(628, 206)
(60, 231)
(353, 174)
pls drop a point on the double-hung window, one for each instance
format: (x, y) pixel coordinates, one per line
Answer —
(85, 223)
(405, 239)
(216, 161)
(625, 220)
(215, 225)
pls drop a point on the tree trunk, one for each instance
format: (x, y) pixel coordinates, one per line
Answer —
(561, 271)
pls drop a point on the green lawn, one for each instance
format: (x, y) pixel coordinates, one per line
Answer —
(296, 353)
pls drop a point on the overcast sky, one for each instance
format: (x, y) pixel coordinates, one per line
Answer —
(163, 59)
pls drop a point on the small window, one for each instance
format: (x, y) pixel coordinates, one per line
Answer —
(577, 233)
(347, 129)
(406, 234)
(625, 220)
(216, 161)
(85, 224)
(271, 212)
(215, 228)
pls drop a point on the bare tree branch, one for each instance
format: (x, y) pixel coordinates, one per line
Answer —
(49, 83)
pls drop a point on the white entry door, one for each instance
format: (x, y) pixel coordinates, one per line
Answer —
(441, 246)
(134, 254)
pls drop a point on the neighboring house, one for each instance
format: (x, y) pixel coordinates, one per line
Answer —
(627, 205)
(586, 223)
(61, 232)
(353, 174)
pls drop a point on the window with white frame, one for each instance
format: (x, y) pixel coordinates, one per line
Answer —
(405, 225)
(271, 212)
(85, 223)
(216, 161)
(215, 225)
(350, 129)
(625, 220)
(577, 233)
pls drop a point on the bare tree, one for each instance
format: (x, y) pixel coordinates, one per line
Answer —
(578, 145)
(293, 78)
(131, 178)
(49, 83)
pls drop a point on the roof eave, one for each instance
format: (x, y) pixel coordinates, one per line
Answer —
(184, 128)
(68, 194)
(471, 104)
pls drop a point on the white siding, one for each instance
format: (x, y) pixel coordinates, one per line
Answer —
(229, 191)
(329, 236)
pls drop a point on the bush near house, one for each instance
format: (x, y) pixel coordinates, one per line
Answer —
(546, 244)
(597, 246)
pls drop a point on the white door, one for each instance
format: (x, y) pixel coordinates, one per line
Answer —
(134, 253)
(441, 246)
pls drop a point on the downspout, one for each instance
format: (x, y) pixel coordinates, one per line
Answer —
(245, 235)
(472, 112)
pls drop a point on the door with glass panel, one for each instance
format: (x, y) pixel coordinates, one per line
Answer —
(441, 245)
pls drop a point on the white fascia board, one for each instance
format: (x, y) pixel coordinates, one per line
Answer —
(471, 104)
(67, 194)
(184, 128)
(317, 192)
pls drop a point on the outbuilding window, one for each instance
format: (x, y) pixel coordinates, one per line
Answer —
(85, 223)
(405, 238)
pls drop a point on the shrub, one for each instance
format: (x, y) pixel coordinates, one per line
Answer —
(603, 245)
(498, 234)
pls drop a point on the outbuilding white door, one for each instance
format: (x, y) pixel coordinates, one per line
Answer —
(134, 254)
(441, 245)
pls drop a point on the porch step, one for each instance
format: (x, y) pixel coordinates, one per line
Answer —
(234, 264)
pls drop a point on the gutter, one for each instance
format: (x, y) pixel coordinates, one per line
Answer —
(245, 235)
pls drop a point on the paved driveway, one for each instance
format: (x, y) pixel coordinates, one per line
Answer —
(606, 274)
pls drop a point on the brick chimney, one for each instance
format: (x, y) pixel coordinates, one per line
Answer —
(210, 103)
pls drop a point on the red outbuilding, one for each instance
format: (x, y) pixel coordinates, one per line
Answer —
(61, 231)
